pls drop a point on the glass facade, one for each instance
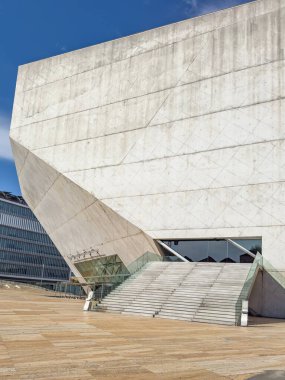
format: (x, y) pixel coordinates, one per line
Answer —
(26, 251)
(111, 266)
(216, 250)
(100, 267)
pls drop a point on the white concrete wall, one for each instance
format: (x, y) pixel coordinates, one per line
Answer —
(178, 132)
(268, 297)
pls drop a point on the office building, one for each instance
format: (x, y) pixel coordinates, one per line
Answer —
(26, 251)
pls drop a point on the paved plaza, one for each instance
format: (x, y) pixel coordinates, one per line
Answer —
(43, 337)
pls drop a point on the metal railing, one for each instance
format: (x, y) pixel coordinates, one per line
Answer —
(79, 287)
(241, 306)
(141, 261)
(260, 263)
(69, 290)
(102, 285)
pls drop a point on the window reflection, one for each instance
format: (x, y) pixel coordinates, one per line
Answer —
(216, 250)
(25, 248)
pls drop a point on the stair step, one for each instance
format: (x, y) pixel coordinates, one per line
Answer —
(199, 292)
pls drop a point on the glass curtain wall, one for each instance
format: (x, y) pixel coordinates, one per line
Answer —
(26, 251)
(216, 250)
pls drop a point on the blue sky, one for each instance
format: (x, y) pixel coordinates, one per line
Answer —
(35, 29)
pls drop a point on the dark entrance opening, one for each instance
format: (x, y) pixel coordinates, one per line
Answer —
(216, 250)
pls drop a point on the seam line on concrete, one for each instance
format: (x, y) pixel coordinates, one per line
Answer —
(103, 205)
(59, 175)
(170, 156)
(193, 190)
(168, 94)
(157, 125)
(209, 228)
(157, 48)
(151, 93)
(26, 154)
(48, 189)
(139, 232)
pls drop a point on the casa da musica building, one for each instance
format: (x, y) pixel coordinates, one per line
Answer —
(172, 135)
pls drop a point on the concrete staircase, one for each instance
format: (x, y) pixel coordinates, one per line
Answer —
(200, 292)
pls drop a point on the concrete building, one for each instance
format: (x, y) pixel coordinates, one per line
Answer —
(26, 252)
(173, 134)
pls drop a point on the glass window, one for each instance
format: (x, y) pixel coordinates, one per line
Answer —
(216, 250)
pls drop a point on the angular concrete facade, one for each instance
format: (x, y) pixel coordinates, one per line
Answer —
(174, 133)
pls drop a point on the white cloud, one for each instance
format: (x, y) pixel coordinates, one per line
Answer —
(5, 146)
(190, 6)
(209, 9)
(201, 7)
(191, 3)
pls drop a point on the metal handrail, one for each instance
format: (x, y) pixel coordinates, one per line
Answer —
(97, 279)
(242, 302)
(172, 251)
(234, 243)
